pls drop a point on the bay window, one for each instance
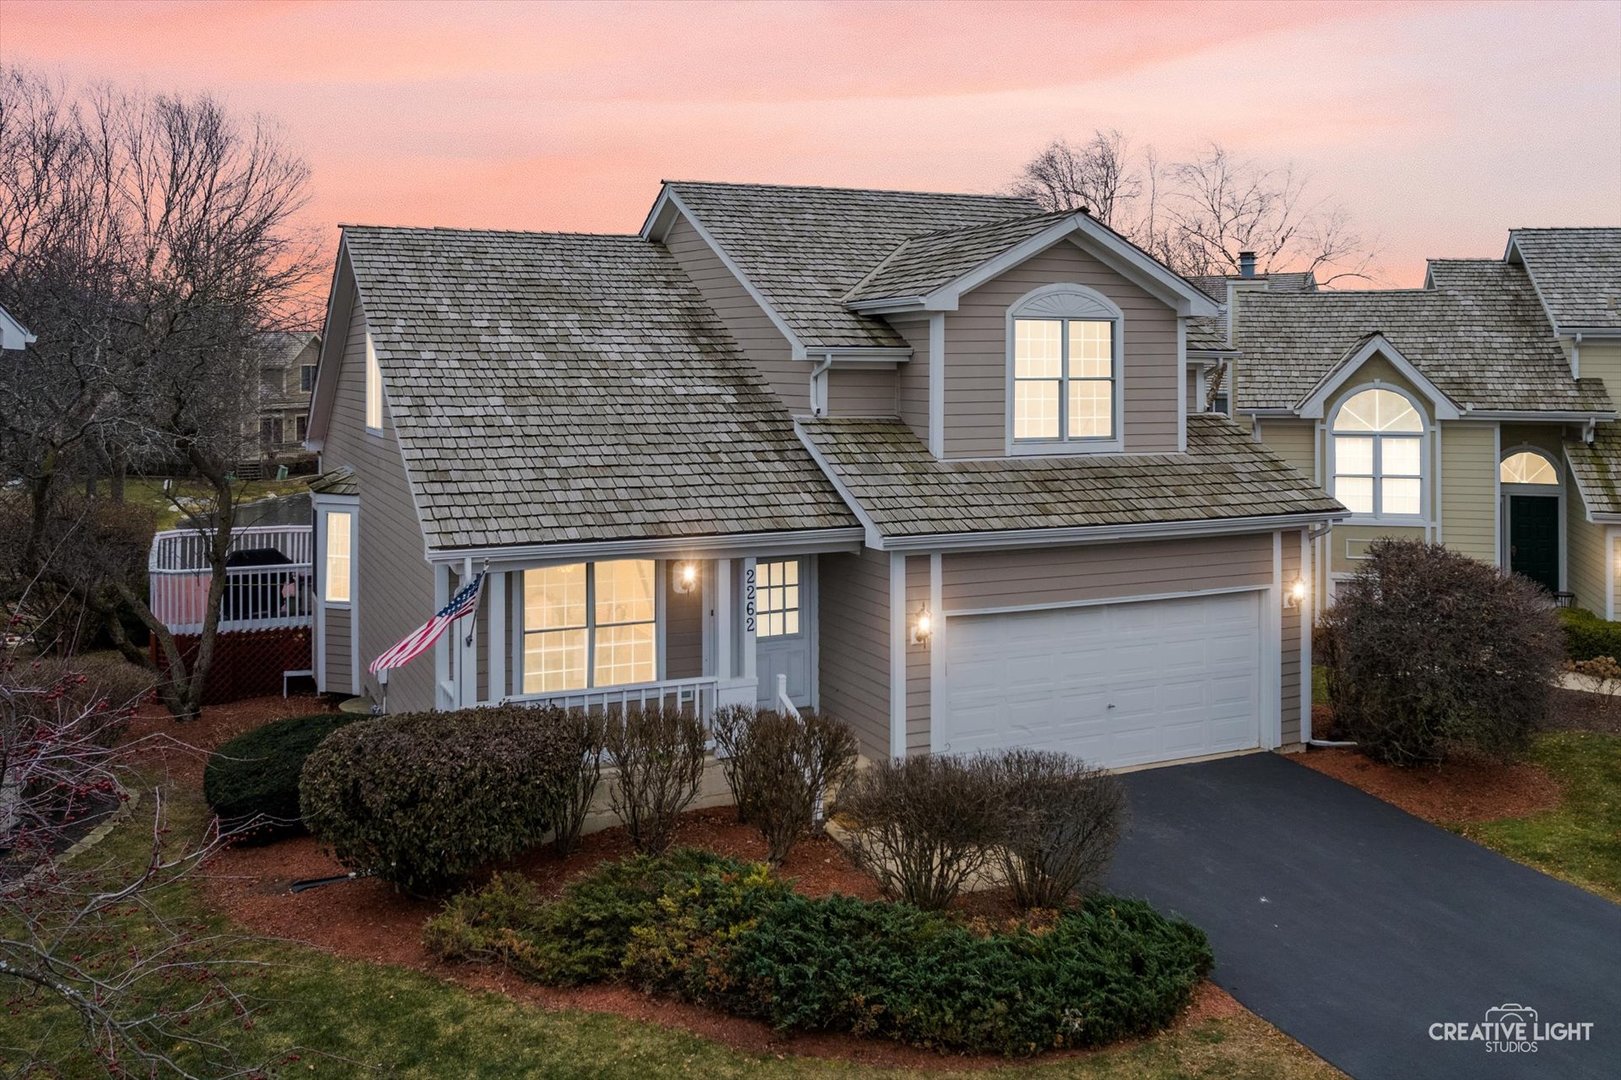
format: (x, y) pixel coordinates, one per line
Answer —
(337, 556)
(1378, 441)
(588, 625)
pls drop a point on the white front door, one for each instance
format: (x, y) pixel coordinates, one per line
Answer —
(785, 597)
(1116, 684)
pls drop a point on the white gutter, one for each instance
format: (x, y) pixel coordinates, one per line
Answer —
(789, 542)
(1101, 534)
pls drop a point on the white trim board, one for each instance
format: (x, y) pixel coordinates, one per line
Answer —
(1442, 407)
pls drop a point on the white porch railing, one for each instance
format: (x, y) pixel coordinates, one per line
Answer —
(256, 597)
(698, 694)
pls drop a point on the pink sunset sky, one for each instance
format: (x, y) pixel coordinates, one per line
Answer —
(1438, 126)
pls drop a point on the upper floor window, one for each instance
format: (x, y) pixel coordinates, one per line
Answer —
(306, 378)
(1378, 439)
(374, 388)
(1527, 467)
(1065, 377)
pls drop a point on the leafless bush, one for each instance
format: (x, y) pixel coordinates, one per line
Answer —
(1599, 676)
(584, 732)
(1063, 821)
(1436, 652)
(658, 751)
(923, 826)
(779, 766)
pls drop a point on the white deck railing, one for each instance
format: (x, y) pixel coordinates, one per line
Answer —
(697, 694)
(255, 598)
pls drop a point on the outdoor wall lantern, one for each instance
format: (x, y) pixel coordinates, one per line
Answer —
(922, 627)
(686, 577)
(1296, 593)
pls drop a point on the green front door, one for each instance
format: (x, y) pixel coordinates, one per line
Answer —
(1533, 538)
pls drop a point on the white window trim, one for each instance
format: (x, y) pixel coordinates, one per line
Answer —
(374, 388)
(1505, 509)
(326, 522)
(1530, 489)
(799, 608)
(1067, 300)
(1426, 460)
(521, 616)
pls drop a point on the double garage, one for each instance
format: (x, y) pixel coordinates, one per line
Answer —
(1119, 681)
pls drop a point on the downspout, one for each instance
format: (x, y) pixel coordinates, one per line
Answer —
(1576, 356)
(818, 385)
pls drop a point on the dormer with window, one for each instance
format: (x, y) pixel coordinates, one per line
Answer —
(1065, 360)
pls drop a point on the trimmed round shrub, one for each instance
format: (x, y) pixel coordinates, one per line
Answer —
(251, 782)
(424, 800)
(1588, 637)
(1435, 653)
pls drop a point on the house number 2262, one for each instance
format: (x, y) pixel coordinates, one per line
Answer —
(748, 599)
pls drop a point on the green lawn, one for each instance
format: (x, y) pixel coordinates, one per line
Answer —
(148, 491)
(1581, 840)
(345, 1018)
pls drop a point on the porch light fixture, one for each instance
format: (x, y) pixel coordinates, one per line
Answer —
(1295, 595)
(686, 577)
(922, 627)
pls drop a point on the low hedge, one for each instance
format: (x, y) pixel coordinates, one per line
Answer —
(728, 934)
(1587, 636)
(423, 800)
(251, 782)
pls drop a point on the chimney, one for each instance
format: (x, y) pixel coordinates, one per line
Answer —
(1246, 264)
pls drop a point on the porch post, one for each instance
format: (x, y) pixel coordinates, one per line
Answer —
(495, 592)
(441, 648)
(723, 619)
(466, 649)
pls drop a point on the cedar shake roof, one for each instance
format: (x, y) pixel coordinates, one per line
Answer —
(551, 388)
(1215, 285)
(1596, 468)
(805, 248)
(1577, 273)
(1479, 334)
(340, 481)
(922, 264)
(905, 491)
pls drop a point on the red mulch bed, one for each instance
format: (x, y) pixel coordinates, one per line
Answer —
(1457, 791)
(184, 747)
(367, 920)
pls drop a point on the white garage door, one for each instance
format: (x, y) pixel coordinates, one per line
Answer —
(1117, 684)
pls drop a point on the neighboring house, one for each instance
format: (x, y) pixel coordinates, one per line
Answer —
(14, 336)
(923, 459)
(1476, 411)
(286, 384)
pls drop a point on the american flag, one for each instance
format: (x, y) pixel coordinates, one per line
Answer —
(420, 640)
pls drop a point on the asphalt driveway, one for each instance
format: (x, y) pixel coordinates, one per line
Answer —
(1354, 927)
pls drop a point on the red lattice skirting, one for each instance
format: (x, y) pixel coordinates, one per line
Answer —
(247, 663)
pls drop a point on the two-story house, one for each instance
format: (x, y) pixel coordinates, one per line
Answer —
(923, 461)
(1476, 411)
(287, 363)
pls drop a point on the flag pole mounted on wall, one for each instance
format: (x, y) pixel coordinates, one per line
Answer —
(420, 640)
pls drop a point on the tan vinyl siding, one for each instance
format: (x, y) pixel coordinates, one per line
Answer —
(1469, 489)
(754, 331)
(1549, 438)
(1289, 667)
(684, 625)
(861, 392)
(339, 652)
(1587, 569)
(912, 377)
(985, 580)
(917, 659)
(1347, 544)
(976, 355)
(853, 610)
(1295, 441)
(394, 593)
(1602, 360)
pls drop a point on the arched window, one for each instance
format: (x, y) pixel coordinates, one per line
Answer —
(1064, 350)
(1528, 467)
(1379, 455)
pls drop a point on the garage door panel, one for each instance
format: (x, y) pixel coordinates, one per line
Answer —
(1182, 677)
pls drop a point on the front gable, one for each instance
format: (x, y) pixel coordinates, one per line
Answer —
(1366, 362)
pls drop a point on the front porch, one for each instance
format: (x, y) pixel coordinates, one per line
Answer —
(614, 634)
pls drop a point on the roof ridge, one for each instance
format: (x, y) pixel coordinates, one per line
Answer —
(852, 190)
(469, 230)
(999, 223)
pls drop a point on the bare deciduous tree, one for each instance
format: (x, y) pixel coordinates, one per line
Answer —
(1198, 214)
(147, 242)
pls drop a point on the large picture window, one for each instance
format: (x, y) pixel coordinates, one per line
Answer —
(1063, 379)
(590, 624)
(337, 548)
(1379, 455)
